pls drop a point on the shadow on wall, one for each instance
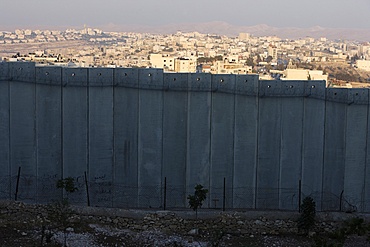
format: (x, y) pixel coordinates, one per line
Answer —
(128, 129)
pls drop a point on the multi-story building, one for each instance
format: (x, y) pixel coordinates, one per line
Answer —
(162, 61)
(185, 65)
(225, 67)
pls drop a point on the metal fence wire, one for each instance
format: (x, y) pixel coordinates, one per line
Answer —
(31, 189)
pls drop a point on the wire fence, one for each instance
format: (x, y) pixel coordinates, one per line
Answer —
(165, 196)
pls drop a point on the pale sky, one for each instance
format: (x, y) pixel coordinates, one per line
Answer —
(276, 13)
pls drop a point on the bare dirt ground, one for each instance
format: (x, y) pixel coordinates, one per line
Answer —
(12, 49)
(25, 225)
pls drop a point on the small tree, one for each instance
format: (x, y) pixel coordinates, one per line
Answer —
(307, 218)
(196, 200)
(60, 212)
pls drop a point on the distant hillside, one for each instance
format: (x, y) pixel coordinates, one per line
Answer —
(258, 30)
(224, 28)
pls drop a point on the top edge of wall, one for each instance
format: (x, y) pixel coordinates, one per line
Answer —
(143, 78)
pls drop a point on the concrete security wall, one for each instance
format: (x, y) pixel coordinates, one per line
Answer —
(124, 131)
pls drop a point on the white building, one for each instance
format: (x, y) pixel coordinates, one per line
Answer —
(363, 64)
(185, 65)
(231, 68)
(162, 62)
(304, 74)
(272, 51)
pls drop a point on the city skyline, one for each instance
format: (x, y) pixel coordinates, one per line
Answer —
(116, 14)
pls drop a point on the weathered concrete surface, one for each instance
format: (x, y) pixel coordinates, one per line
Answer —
(5, 131)
(48, 130)
(245, 139)
(22, 134)
(125, 118)
(75, 128)
(175, 114)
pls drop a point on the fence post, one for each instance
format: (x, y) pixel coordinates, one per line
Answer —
(17, 186)
(165, 193)
(224, 196)
(299, 195)
(87, 190)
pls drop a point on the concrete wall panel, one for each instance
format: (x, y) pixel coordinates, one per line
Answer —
(199, 135)
(292, 88)
(175, 113)
(269, 134)
(313, 141)
(5, 184)
(355, 150)
(4, 72)
(334, 149)
(246, 85)
(150, 138)
(222, 139)
(49, 132)
(315, 89)
(245, 139)
(75, 129)
(126, 114)
(101, 136)
(23, 72)
(23, 138)
(366, 185)
(176, 82)
(270, 89)
(291, 148)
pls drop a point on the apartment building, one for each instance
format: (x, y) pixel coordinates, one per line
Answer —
(162, 61)
(185, 65)
(225, 67)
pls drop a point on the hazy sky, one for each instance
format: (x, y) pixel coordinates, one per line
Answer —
(277, 13)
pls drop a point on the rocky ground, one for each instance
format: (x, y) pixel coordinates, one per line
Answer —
(38, 225)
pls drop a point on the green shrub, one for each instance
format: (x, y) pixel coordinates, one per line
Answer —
(196, 200)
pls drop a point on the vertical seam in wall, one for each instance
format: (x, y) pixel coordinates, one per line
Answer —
(36, 142)
(233, 148)
(162, 156)
(302, 149)
(234, 144)
(9, 141)
(346, 106)
(363, 194)
(257, 143)
(210, 142)
(323, 156)
(186, 139)
(88, 123)
(187, 169)
(113, 141)
(280, 102)
(138, 136)
(61, 123)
